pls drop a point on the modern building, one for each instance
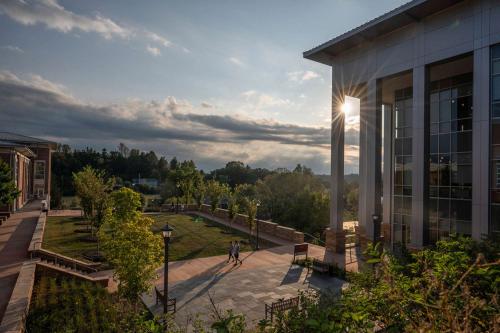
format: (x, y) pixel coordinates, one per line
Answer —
(30, 161)
(427, 75)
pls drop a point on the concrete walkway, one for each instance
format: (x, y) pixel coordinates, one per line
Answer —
(265, 276)
(15, 237)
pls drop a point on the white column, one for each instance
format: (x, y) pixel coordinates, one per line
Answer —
(337, 167)
(369, 158)
(387, 176)
(481, 142)
(419, 158)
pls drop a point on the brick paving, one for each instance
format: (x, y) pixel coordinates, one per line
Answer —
(265, 276)
(15, 237)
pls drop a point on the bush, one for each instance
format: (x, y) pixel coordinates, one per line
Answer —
(452, 287)
(68, 305)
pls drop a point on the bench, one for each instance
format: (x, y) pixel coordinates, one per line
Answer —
(320, 266)
(172, 302)
(300, 249)
(280, 306)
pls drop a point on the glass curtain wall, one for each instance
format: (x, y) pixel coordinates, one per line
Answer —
(450, 157)
(402, 190)
(495, 141)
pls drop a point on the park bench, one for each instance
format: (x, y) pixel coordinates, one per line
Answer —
(172, 302)
(280, 306)
(320, 266)
(300, 249)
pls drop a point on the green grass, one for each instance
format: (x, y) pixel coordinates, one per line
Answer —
(60, 237)
(192, 238)
(195, 237)
(68, 305)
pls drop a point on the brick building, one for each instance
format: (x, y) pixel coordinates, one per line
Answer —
(30, 161)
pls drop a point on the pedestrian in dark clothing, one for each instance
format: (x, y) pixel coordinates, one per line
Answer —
(231, 251)
(237, 253)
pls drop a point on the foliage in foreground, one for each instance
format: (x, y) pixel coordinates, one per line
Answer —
(130, 245)
(8, 189)
(67, 305)
(451, 288)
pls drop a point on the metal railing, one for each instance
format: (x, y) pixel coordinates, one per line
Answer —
(63, 261)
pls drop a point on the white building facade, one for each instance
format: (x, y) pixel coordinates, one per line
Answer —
(428, 78)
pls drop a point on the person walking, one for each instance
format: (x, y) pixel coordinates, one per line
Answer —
(231, 251)
(237, 253)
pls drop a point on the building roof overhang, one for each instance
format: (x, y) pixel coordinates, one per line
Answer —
(6, 146)
(406, 14)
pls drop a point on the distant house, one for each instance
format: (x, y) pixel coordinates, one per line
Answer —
(30, 161)
(151, 182)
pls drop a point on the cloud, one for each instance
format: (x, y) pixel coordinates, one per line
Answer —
(207, 105)
(55, 16)
(302, 76)
(159, 39)
(259, 100)
(13, 48)
(153, 51)
(170, 126)
(236, 61)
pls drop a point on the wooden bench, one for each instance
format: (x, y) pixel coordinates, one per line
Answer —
(300, 249)
(320, 266)
(280, 306)
(172, 302)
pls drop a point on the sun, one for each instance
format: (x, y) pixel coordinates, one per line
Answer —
(345, 108)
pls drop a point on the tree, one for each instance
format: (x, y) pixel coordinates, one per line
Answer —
(131, 247)
(247, 198)
(94, 190)
(8, 189)
(200, 189)
(232, 205)
(215, 191)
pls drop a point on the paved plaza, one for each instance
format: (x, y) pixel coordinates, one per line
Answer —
(15, 237)
(264, 277)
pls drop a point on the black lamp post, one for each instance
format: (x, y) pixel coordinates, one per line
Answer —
(257, 221)
(167, 233)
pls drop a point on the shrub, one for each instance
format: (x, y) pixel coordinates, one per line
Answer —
(452, 287)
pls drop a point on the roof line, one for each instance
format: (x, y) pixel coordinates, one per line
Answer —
(364, 26)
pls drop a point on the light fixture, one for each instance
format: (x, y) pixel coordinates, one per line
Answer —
(166, 231)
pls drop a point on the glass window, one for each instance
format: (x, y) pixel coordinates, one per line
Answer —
(444, 110)
(464, 107)
(39, 170)
(450, 167)
(495, 88)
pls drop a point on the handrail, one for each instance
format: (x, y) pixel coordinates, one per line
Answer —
(66, 261)
(315, 239)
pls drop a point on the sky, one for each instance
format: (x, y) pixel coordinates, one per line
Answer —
(212, 81)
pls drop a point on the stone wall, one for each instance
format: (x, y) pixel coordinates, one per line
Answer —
(266, 227)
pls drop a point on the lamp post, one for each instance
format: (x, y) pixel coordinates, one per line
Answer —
(167, 233)
(257, 221)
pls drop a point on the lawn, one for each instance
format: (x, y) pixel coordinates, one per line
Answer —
(60, 237)
(195, 237)
(192, 238)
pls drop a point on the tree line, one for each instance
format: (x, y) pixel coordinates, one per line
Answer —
(296, 198)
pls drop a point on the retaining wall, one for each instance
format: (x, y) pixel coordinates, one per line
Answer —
(268, 227)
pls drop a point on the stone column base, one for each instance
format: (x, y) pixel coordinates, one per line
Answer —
(386, 232)
(335, 240)
(362, 240)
